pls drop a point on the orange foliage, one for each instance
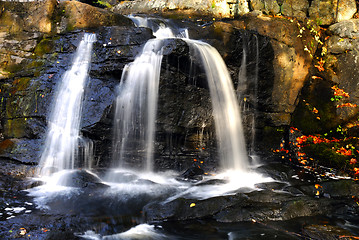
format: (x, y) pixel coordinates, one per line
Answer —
(344, 152)
(346, 105)
(320, 65)
(339, 92)
(353, 161)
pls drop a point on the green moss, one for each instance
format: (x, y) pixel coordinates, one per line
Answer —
(325, 155)
(270, 137)
(14, 128)
(20, 84)
(44, 46)
(315, 95)
(13, 68)
(104, 4)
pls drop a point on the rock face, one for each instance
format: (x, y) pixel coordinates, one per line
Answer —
(341, 70)
(32, 63)
(80, 15)
(15, 16)
(291, 62)
(50, 16)
(329, 12)
(295, 8)
(218, 8)
(266, 6)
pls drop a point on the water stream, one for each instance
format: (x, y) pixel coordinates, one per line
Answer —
(136, 103)
(64, 145)
(125, 192)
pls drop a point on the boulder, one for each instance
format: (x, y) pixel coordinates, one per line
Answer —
(53, 16)
(81, 15)
(191, 174)
(329, 12)
(28, 16)
(80, 179)
(295, 8)
(346, 29)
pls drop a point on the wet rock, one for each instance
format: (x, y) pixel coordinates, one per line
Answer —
(25, 151)
(340, 188)
(329, 12)
(81, 179)
(271, 185)
(192, 174)
(317, 93)
(290, 65)
(266, 205)
(185, 209)
(327, 232)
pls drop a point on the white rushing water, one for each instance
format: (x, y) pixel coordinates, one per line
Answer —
(63, 143)
(226, 112)
(136, 104)
(136, 101)
(142, 231)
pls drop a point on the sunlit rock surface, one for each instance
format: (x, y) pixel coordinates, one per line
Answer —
(329, 12)
(217, 8)
(298, 8)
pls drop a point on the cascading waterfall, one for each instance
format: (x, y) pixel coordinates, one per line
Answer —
(64, 144)
(136, 103)
(161, 27)
(226, 112)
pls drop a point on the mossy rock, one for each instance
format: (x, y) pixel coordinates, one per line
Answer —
(46, 45)
(325, 155)
(315, 112)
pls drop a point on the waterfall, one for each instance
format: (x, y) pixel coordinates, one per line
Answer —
(162, 28)
(226, 111)
(136, 104)
(136, 101)
(64, 144)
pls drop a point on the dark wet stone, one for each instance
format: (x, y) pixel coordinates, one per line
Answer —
(271, 185)
(326, 232)
(211, 182)
(293, 190)
(191, 174)
(331, 188)
(185, 209)
(81, 179)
